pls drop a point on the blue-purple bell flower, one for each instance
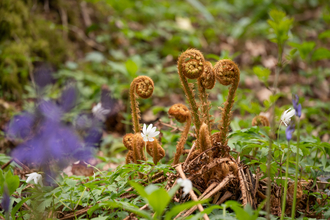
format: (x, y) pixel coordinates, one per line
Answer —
(296, 105)
(5, 203)
(289, 131)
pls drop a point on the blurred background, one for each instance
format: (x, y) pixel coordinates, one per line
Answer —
(101, 46)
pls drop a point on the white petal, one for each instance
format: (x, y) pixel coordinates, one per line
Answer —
(154, 134)
(149, 128)
(142, 135)
(29, 179)
(145, 138)
(36, 179)
(291, 113)
(151, 139)
(144, 129)
(153, 130)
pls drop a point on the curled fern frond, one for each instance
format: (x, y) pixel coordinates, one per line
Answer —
(227, 73)
(143, 86)
(182, 114)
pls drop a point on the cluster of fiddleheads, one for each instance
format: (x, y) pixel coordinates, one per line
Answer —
(191, 65)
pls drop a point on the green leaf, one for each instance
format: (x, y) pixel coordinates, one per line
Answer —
(131, 68)
(280, 26)
(325, 34)
(241, 214)
(71, 182)
(139, 189)
(123, 205)
(158, 200)
(321, 54)
(304, 48)
(95, 56)
(179, 208)
(262, 73)
(12, 182)
(200, 7)
(18, 206)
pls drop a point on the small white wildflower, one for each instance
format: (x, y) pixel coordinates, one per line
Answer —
(149, 133)
(286, 116)
(186, 184)
(99, 112)
(36, 177)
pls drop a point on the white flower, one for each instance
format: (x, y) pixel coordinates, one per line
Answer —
(149, 133)
(186, 184)
(99, 112)
(36, 177)
(286, 116)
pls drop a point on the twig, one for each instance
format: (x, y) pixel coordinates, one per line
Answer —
(191, 210)
(190, 152)
(6, 164)
(225, 196)
(192, 194)
(242, 186)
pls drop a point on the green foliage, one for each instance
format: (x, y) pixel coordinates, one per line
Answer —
(280, 26)
(304, 49)
(262, 73)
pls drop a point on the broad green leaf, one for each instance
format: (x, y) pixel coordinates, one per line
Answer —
(132, 68)
(262, 73)
(304, 48)
(12, 183)
(158, 200)
(325, 34)
(241, 214)
(321, 54)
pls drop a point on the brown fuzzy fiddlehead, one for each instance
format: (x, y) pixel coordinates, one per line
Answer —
(204, 138)
(191, 65)
(206, 81)
(134, 143)
(181, 113)
(143, 86)
(155, 150)
(227, 73)
(128, 141)
(260, 120)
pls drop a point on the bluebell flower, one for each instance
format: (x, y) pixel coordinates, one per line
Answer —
(5, 203)
(21, 126)
(43, 74)
(46, 138)
(289, 131)
(296, 105)
(69, 98)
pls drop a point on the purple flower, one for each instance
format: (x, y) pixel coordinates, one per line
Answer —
(21, 126)
(5, 203)
(68, 98)
(296, 105)
(50, 110)
(289, 131)
(43, 74)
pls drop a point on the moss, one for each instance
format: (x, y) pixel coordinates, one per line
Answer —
(26, 37)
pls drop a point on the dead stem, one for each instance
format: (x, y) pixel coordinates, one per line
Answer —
(192, 194)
